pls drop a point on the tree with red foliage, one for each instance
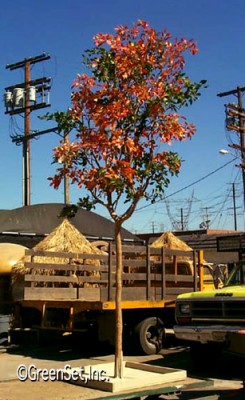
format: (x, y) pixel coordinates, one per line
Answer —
(126, 114)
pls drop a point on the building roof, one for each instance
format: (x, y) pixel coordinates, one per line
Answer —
(28, 225)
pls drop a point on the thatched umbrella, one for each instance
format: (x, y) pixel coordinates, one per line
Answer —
(64, 238)
(169, 241)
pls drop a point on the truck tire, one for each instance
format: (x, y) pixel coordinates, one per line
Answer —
(150, 334)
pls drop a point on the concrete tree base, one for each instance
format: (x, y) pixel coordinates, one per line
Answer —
(135, 376)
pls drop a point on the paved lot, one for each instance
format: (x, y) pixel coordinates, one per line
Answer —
(226, 377)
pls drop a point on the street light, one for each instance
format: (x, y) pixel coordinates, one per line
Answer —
(224, 151)
(242, 166)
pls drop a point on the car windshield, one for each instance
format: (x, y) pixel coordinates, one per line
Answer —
(237, 275)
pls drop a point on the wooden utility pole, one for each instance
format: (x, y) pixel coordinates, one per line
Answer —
(235, 116)
(26, 144)
(242, 140)
(22, 99)
(234, 205)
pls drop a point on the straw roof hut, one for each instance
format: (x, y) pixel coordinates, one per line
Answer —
(64, 238)
(169, 241)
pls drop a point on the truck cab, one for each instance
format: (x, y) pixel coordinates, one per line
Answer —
(215, 317)
(186, 268)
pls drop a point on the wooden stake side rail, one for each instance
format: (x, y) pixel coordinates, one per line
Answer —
(92, 277)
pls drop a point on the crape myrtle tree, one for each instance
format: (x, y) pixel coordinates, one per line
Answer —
(126, 113)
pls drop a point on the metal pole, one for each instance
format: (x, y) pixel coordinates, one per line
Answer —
(182, 219)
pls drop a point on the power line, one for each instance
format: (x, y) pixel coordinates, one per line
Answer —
(188, 186)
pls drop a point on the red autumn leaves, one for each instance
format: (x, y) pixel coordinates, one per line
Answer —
(126, 112)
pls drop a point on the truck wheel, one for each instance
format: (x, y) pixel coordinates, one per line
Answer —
(150, 334)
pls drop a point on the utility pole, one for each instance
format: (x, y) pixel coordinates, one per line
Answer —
(23, 98)
(183, 222)
(235, 116)
(234, 205)
(182, 219)
(26, 156)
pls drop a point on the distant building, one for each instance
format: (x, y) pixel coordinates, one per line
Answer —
(28, 225)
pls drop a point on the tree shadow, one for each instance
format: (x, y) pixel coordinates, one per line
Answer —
(65, 349)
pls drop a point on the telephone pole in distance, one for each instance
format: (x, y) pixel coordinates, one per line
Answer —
(23, 98)
(235, 116)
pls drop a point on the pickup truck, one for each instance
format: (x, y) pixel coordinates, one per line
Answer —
(214, 320)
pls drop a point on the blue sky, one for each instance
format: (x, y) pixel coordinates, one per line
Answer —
(64, 30)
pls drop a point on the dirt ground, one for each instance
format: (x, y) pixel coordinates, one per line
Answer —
(224, 381)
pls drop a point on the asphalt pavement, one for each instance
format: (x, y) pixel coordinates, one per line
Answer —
(223, 380)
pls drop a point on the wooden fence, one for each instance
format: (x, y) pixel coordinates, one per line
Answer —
(148, 274)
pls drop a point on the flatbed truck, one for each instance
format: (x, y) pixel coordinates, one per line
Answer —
(76, 294)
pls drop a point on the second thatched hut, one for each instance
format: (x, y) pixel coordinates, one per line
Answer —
(169, 241)
(174, 263)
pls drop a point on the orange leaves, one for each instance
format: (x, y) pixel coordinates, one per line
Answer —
(131, 146)
(101, 38)
(83, 81)
(143, 23)
(193, 48)
(66, 153)
(56, 180)
(175, 127)
(126, 171)
(141, 46)
(126, 113)
(139, 65)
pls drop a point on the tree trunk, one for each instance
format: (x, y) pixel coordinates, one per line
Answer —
(119, 322)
